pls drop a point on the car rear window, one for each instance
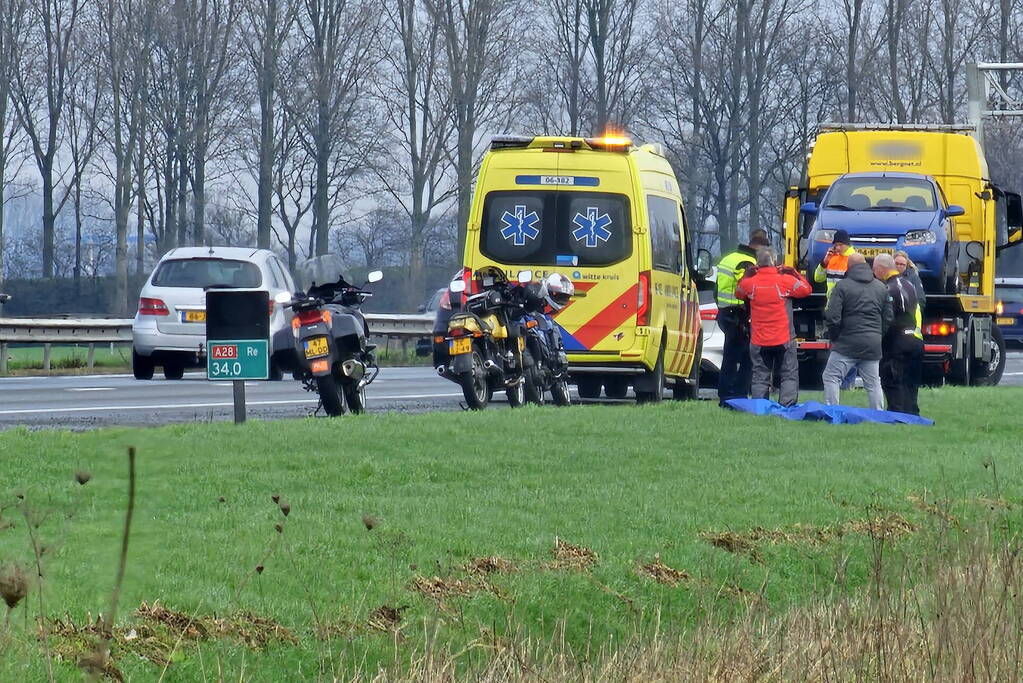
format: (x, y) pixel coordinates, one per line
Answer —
(1009, 295)
(207, 272)
(551, 228)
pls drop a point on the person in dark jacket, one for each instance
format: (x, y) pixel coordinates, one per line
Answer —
(903, 345)
(733, 318)
(769, 291)
(905, 266)
(857, 316)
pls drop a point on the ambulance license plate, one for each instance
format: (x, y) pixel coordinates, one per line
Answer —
(459, 346)
(1005, 321)
(193, 316)
(315, 347)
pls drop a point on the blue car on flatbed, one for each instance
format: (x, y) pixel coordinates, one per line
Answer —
(1009, 308)
(888, 211)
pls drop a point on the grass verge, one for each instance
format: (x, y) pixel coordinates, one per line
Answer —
(28, 360)
(538, 540)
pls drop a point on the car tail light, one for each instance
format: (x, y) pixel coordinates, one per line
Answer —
(940, 329)
(709, 313)
(271, 307)
(643, 300)
(445, 300)
(311, 318)
(149, 306)
(999, 308)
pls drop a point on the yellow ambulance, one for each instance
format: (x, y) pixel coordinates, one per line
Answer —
(608, 215)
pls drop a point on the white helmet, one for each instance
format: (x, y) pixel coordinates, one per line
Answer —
(557, 290)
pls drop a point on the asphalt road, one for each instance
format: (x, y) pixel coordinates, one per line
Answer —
(85, 402)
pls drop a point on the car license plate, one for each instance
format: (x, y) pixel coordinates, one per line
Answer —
(871, 252)
(193, 316)
(460, 346)
(1005, 321)
(315, 347)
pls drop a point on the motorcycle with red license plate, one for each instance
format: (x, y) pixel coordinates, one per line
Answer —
(335, 358)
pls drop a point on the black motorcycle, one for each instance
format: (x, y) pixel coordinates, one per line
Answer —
(546, 362)
(334, 356)
(485, 347)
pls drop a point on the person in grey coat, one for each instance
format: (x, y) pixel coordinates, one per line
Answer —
(858, 314)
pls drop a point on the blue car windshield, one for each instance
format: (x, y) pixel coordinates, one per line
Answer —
(881, 194)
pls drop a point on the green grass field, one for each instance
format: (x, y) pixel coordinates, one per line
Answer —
(65, 358)
(442, 491)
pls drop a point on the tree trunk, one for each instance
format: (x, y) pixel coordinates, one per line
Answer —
(140, 221)
(48, 217)
(78, 232)
(266, 82)
(321, 222)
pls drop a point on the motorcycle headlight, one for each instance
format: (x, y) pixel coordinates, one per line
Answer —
(916, 238)
(824, 235)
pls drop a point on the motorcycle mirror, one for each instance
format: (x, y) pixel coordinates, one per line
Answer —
(525, 276)
(375, 276)
(457, 286)
(283, 298)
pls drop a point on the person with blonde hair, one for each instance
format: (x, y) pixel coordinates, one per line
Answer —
(906, 267)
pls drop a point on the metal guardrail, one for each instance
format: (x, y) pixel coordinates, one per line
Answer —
(92, 331)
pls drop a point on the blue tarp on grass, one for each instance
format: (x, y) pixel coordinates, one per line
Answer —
(812, 410)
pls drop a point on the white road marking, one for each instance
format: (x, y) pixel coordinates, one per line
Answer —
(1011, 374)
(89, 388)
(219, 404)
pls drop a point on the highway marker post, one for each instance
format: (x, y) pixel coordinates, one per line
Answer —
(237, 340)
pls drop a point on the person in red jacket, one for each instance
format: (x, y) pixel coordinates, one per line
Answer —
(769, 291)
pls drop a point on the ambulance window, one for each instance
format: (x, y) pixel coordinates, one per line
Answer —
(595, 227)
(516, 226)
(664, 233)
(545, 227)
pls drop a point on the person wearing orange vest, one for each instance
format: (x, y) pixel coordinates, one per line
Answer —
(835, 263)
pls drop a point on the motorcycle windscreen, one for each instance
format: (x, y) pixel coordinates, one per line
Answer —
(584, 235)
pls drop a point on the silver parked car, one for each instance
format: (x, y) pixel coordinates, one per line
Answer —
(170, 326)
(713, 338)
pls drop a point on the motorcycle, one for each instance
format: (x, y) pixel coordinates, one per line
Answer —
(485, 345)
(546, 363)
(334, 356)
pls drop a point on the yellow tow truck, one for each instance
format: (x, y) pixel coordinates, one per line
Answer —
(923, 189)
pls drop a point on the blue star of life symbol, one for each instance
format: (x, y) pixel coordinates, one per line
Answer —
(592, 227)
(519, 225)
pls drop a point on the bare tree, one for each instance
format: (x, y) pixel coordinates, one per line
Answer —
(292, 181)
(269, 24)
(478, 64)
(619, 61)
(41, 85)
(84, 94)
(125, 68)
(418, 109)
(12, 17)
(214, 91)
(337, 54)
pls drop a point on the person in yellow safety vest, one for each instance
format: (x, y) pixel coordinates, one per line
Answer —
(834, 264)
(902, 347)
(733, 319)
